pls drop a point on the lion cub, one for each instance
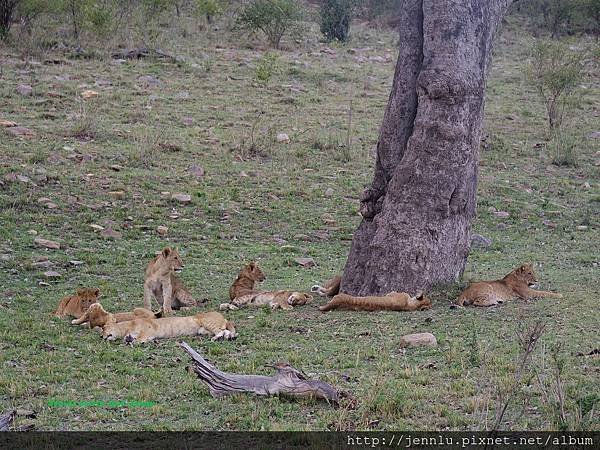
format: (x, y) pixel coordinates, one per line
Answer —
(76, 305)
(144, 330)
(96, 316)
(394, 301)
(330, 287)
(516, 284)
(162, 283)
(244, 283)
(275, 299)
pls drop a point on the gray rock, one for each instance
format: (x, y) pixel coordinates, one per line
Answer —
(418, 340)
(477, 240)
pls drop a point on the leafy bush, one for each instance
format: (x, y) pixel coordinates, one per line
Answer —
(336, 16)
(555, 71)
(209, 8)
(7, 8)
(267, 67)
(273, 17)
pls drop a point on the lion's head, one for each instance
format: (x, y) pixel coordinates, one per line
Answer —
(424, 302)
(97, 316)
(171, 258)
(526, 274)
(299, 299)
(88, 297)
(253, 271)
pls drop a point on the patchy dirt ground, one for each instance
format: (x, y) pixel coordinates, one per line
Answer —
(99, 147)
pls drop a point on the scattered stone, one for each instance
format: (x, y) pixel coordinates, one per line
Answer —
(243, 174)
(42, 264)
(502, 214)
(43, 200)
(477, 240)
(549, 223)
(582, 227)
(32, 232)
(162, 230)
(116, 167)
(23, 179)
(182, 198)
(197, 171)
(20, 131)
(76, 263)
(7, 123)
(187, 121)
(418, 340)
(149, 81)
(89, 94)
(109, 233)
(102, 82)
(24, 89)
(283, 138)
(51, 205)
(302, 237)
(96, 227)
(306, 262)
(594, 135)
(329, 192)
(273, 197)
(47, 243)
(587, 185)
(51, 274)
(117, 195)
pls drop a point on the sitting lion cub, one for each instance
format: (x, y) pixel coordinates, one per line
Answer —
(514, 285)
(330, 287)
(275, 299)
(394, 301)
(162, 283)
(76, 305)
(96, 316)
(245, 281)
(144, 330)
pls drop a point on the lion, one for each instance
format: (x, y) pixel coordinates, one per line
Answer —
(145, 330)
(162, 283)
(76, 305)
(516, 284)
(96, 316)
(394, 301)
(245, 281)
(275, 299)
(330, 287)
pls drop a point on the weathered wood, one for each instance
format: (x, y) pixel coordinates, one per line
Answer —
(417, 212)
(288, 381)
(6, 420)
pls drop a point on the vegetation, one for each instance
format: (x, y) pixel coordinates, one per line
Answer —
(336, 16)
(274, 18)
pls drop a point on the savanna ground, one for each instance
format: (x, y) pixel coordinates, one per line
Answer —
(274, 202)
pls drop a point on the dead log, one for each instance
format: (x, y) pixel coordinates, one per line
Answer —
(288, 382)
(139, 53)
(6, 419)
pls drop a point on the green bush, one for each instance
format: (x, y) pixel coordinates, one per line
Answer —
(336, 16)
(209, 8)
(266, 68)
(273, 17)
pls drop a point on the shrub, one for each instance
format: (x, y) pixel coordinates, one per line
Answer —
(563, 149)
(555, 72)
(266, 68)
(209, 8)
(7, 8)
(273, 17)
(335, 19)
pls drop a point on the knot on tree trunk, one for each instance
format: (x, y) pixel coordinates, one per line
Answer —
(371, 202)
(438, 85)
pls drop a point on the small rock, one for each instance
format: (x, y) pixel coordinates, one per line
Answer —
(283, 138)
(43, 200)
(329, 192)
(182, 198)
(89, 94)
(51, 205)
(47, 243)
(20, 131)
(418, 340)
(306, 262)
(477, 240)
(149, 80)
(75, 262)
(243, 174)
(594, 135)
(24, 89)
(162, 230)
(32, 232)
(582, 227)
(43, 264)
(587, 185)
(51, 274)
(7, 123)
(117, 195)
(116, 167)
(502, 214)
(111, 234)
(187, 121)
(102, 82)
(197, 171)
(96, 227)
(23, 179)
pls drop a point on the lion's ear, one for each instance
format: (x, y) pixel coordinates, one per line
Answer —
(80, 292)
(96, 292)
(166, 251)
(420, 296)
(252, 264)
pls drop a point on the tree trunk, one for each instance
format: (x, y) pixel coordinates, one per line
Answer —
(418, 210)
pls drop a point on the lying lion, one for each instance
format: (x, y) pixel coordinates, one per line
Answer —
(394, 301)
(162, 284)
(245, 281)
(96, 316)
(275, 299)
(76, 305)
(144, 330)
(516, 284)
(330, 287)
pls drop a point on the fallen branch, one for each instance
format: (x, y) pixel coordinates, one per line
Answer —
(288, 381)
(6, 419)
(138, 53)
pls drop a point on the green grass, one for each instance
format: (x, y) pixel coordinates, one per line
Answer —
(243, 210)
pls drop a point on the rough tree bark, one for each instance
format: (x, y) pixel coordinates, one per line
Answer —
(417, 212)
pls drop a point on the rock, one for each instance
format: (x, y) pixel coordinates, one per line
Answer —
(502, 214)
(7, 123)
(116, 167)
(20, 131)
(162, 230)
(96, 227)
(329, 192)
(24, 89)
(149, 81)
(478, 240)
(197, 171)
(51, 274)
(89, 94)
(187, 121)
(418, 340)
(594, 135)
(182, 198)
(587, 185)
(51, 205)
(117, 195)
(306, 262)
(32, 232)
(283, 138)
(43, 264)
(47, 243)
(243, 174)
(102, 82)
(75, 262)
(582, 227)
(43, 200)
(109, 233)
